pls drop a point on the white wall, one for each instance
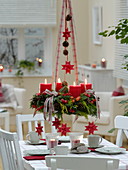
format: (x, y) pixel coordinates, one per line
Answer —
(106, 50)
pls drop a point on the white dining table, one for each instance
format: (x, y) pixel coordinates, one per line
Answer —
(41, 165)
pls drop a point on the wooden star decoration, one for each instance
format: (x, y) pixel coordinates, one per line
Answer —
(68, 67)
(39, 129)
(63, 129)
(91, 128)
(66, 34)
(56, 123)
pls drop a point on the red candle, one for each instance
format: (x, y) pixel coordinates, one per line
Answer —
(52, 143)
(58, 85)
(82, 87)
(88, 86)
(75, 90)
(44, 86)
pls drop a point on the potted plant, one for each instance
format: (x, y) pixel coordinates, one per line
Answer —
(24, 65)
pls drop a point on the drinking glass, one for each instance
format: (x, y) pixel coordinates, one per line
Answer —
(75, 138)
(52, 141)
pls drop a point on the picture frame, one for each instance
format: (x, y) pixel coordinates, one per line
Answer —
(97, 24)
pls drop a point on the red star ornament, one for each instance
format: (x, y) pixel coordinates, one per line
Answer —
(39, 129)
(68, 67)
(66, 34)
(63, 129)
(91, 128)
(56, 123)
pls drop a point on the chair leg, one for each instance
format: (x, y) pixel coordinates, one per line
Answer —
(119, 138)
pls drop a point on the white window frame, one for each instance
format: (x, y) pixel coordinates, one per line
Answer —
(46, 68)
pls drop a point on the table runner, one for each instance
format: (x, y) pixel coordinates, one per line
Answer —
(40, 164)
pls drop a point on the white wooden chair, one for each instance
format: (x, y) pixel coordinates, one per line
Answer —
(81, 163)
(31, 121)
(121, 123)
(10, 151)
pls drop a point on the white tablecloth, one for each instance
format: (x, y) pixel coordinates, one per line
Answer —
(40, 164)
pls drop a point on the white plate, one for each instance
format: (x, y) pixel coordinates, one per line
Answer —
(40, 142)
(111, 150)
(81, 152)
(100, 146)
(64, 139)
(37, 152)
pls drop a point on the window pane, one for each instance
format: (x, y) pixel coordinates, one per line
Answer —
(34, 48)
(8, 31)
(34, 32)
(8, 51)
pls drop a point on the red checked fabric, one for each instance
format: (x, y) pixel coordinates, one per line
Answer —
(1, 93)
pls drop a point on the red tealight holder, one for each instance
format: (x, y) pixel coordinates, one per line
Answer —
(103, 63)
(1, 68)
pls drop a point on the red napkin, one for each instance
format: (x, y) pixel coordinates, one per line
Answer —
(92, 149)
(34, 158)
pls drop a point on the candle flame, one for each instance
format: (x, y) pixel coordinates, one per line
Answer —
(103, 59)
(74, 83)
(1, 67)
(59, 80)
(40, 60)
(45, 81)
(85, 81)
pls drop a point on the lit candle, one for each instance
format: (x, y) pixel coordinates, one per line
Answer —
(103, 63)
(58, 85)
(82, 87)
(85, 81)
(75, 90)
(88, 86)
(1, 68)
(44, 86)
(52, 143)
(39, 62)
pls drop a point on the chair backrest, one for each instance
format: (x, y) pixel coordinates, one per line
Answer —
(10, 151)
(121, 123)
(31, 122)
(81, 163)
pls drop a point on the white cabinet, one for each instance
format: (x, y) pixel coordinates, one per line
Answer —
(101, 78)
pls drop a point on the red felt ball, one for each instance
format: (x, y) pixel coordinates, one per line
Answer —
(68, 17)
(65, 44)
(65, 52)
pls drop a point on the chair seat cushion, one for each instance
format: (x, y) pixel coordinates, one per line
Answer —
(104, 119)
(118, 92)
(1, 93)
(9, 97)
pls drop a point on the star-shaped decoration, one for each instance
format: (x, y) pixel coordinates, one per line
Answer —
(66, 34)
(91, 128)
(63, 129)
(56, 123)
(68, 67)
(39, 129)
